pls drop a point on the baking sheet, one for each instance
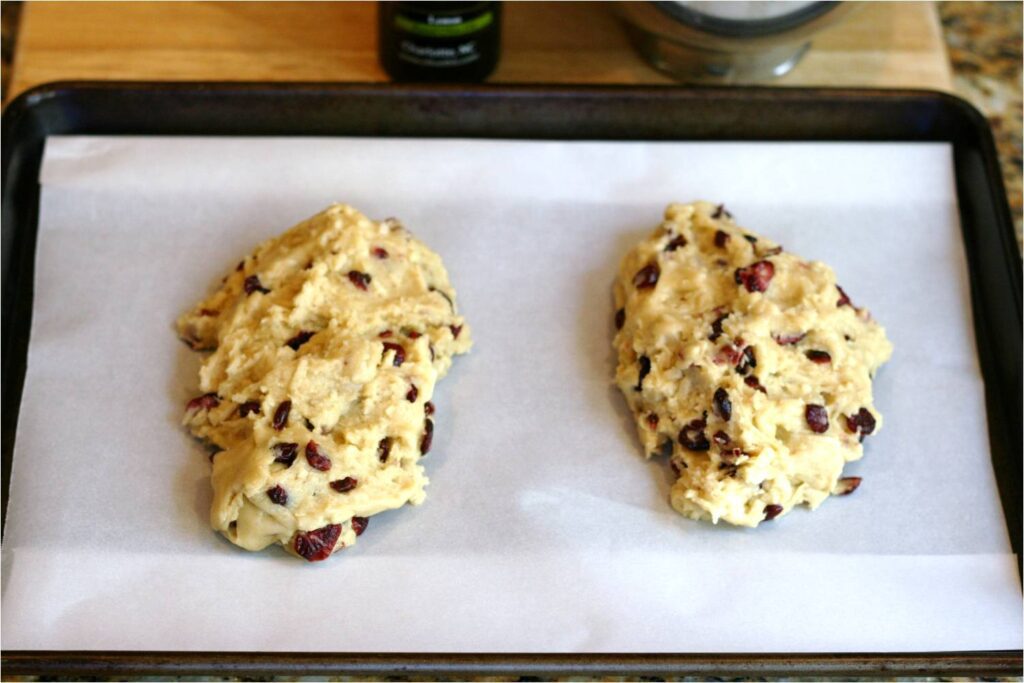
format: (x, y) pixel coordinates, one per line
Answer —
(544, 529)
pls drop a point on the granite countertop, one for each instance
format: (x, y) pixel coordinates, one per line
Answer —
(984, 44)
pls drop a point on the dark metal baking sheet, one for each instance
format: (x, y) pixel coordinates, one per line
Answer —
(533, 112)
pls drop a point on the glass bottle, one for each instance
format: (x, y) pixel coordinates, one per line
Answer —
(439, 41)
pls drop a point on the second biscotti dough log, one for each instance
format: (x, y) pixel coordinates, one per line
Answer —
(749, 360)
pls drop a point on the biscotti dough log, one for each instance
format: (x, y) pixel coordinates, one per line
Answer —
(326, 345)
(751, 361)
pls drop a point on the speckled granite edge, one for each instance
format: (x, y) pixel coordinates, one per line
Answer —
(984, 41)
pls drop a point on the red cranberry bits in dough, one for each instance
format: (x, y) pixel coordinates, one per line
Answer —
(750, 361)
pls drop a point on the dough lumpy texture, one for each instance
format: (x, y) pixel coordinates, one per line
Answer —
(752, 362)
(327, 342)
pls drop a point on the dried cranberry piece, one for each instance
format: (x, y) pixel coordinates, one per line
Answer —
(756, 276)
(208, 312)
(819, 357)
(428, 408)
(428, 436)
(285, 453)
(359, 279)
(315, 458)
(862, 422)
(384, 449)
(692, 436)
(867, 421)
(317, 545)
(399, 352)
(379, 252)
(754, 383)
(204, 402)
(456, 329)
(728, 354)
(747, 361)
(278, 495)
(359, 525)
(721, 239)
(620, 318)
(652, 420)
(411, 395)
(411, 334)
(846, 486)
(721, 438)
(385, 334)
(844, 300)
(723, 406)
(817, 418)
(716, 327)
(645, 369)
(253, 284)
(677, 241)
(299, 339)
(720, 211)
(729, 458)
(647, 276)
(344, 485)
(281, 415)
(788, 339)
(248, 407)
(771, 512)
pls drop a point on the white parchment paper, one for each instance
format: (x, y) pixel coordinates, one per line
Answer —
(544, 528)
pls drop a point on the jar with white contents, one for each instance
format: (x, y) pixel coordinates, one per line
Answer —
(726, 42)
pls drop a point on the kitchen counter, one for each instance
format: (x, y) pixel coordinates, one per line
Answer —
(974, 51)
(984, 44)
(877, 45)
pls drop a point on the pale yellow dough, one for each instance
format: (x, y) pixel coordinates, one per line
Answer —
(355, 285)
(766, 458)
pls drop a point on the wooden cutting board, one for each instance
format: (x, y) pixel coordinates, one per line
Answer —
(878, 44)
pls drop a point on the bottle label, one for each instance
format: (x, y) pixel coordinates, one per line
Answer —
(443, 27)
(426, 55)
(443, 39)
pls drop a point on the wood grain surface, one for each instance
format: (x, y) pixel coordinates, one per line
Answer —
(876, 45)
